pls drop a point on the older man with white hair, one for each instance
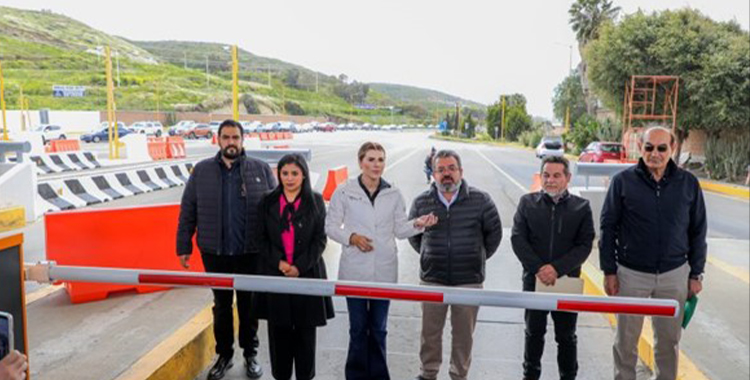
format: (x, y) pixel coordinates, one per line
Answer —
(652, 245)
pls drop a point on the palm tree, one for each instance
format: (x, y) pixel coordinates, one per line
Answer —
(586, 19)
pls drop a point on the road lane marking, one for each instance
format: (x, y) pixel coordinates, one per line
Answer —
(734, 271)
(503, 172)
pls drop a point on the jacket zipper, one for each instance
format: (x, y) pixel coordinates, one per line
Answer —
(551, 233)
(658, 222)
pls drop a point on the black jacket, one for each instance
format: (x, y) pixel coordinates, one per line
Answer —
(309, 243)
(653, 227)
(201, 204)
(454, 251)
(547, 233)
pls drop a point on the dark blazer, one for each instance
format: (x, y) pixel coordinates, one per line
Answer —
(309, 243)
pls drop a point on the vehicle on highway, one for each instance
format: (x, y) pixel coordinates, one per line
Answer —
(550, 146)
(599, 151)
(151, 128)
(327, 127)
(199, 130)
(50, 132)
(180, 128)
(251, 126)
(103, 135)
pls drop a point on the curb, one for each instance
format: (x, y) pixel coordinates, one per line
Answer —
(730, 190)
(687, 370)
(183, 355)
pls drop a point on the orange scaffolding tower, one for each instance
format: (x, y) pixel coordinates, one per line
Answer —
(648, 98)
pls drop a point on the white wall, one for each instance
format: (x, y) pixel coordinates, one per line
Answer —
(18, 187)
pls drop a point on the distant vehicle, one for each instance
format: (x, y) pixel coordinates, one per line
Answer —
(214, 125)
(50, 132)
(199, 131)
(250, 126)
(550, 146)
(104, 124)
(327, 127)
(285, 126)
(269, 127)
(151, 128)
(598, 151)
(180, 128)
(103, 135)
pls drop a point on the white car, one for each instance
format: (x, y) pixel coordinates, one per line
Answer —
(151, 128)
(181, 127)
(550, 146)
(50, 132)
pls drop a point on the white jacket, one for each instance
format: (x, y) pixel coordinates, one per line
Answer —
(351, 211)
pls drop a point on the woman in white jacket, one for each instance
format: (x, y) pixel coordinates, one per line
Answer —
(365, 216)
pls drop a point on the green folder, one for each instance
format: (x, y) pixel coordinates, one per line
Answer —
(690, 306)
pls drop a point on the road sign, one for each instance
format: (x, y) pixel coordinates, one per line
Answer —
(68, 91)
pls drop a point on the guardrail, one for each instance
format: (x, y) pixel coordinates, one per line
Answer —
(19, 148)
(591, 169)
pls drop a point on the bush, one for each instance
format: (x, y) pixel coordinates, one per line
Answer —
(582, 133)
(293, 108)
(251, 106)
(483, 137)
(531, 138)
(727, 157)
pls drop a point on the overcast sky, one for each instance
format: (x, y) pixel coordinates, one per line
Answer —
(473, 49)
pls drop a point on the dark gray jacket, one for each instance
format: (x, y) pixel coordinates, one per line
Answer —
(454, 251)
(545, 232)
(201, 204)
(653, 227)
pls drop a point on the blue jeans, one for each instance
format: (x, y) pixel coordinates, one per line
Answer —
(368, 321)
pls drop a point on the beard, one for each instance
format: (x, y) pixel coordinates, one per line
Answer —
(231, 152)
(450, 187)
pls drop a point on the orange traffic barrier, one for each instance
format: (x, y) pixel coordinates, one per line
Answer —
(273, 136)
(336, 176)
(176, 147)
(288, 136)
(57, 146)
(253, 135)
(536, 183)
(157, 149)
(280, 146)
(263, 136)
(131, 238)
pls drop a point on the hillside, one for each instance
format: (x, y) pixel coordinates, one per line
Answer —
(40, 49)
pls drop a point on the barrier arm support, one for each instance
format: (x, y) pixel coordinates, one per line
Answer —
(49, 272)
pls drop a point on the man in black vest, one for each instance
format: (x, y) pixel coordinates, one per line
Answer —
(220, 202)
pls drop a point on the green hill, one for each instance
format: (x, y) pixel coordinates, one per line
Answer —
(40, 49)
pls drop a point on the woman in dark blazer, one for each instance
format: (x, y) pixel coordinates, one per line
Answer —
(291, 238)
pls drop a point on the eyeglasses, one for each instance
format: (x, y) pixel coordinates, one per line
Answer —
(661, 148)
(447, 169)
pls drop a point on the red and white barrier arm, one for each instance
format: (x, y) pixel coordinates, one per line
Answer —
(45, 272)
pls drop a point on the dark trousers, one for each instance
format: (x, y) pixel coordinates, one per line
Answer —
(223, 307)
(292, 346)
(368, 322)
(565, 336)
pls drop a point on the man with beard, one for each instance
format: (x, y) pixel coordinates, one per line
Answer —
(453, 253)
(220, 202)
(652, 245)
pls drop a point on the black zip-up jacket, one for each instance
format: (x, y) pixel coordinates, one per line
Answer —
(545, 232)
(202, 202)
(454, 251)
(653, 227)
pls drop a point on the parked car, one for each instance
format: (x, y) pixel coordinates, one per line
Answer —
(50, 132)
(269, 127)
(200, 130)
(151, 128)
(598, 151)
(104, 124)
(251, 126)
(550, 146)
(103, 135)
(180, 128)
(214, 125)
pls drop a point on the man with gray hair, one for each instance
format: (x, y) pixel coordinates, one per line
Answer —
(453, 253)
(652, 245)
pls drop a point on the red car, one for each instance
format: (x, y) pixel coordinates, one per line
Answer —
(598, 151)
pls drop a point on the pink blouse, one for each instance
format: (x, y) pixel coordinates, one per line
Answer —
(287, 237)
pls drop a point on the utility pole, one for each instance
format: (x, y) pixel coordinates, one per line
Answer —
(2, 103)
(117, 58)
(208, 83)
(235, 84)
(502, 122)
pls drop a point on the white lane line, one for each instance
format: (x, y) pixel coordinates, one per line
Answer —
(511, 179)
(402, 159)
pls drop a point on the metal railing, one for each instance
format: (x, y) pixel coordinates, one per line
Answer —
(19, 148)
(591, 169)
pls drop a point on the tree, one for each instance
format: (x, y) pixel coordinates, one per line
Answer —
(293, 108)
(712, 60)
(291, 78)
(517, 120)
(251, 106)
(587, 17)
(569, 93)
